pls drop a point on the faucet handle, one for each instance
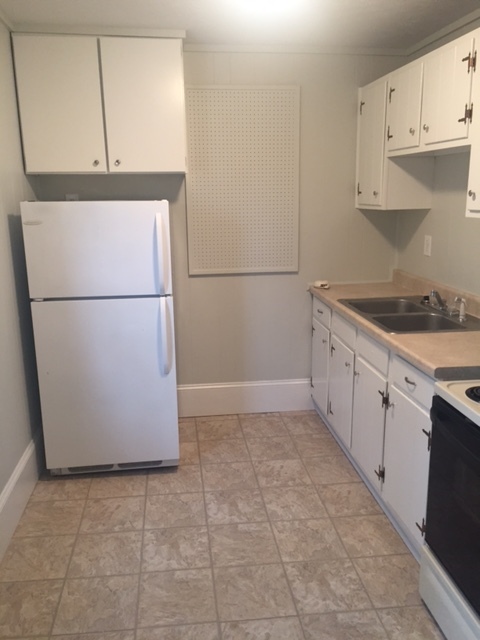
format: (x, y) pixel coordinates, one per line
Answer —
(462, 316)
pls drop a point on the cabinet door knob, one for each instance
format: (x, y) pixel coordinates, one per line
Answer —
(324, 341)
(412, 131)
(96, 163)
(117, 163)
(375, 193)
(472, 194)
(426, 127)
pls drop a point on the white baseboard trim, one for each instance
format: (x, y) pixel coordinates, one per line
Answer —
(244, 397)
(16, 493)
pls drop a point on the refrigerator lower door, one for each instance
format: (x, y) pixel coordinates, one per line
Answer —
(106, 371)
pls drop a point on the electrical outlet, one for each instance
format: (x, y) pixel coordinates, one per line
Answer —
(427, 246)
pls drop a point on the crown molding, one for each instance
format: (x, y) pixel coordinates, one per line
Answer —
(194, 47)
(448, 33)
(91, 30)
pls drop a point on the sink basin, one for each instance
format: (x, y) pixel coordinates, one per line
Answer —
(375, 306)
(417, 322)
(408, 315)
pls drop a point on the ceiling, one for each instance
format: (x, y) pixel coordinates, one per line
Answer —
(382, 25)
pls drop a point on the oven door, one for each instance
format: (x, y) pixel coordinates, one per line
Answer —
(453, 506)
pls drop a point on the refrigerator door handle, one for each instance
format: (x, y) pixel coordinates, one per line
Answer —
(166, 336)
(163, 253)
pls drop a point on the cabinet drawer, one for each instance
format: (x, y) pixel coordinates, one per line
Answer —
(344, 330)
(321, 312)
(412, 382)
(373, 352)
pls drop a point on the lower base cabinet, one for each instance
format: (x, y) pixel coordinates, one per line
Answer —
(377, 404)
(368, 422)
(320, 362)
(406, 460)
(340, 389)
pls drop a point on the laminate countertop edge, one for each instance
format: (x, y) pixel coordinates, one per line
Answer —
(452, 355)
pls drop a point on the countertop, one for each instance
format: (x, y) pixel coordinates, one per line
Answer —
(445, 356)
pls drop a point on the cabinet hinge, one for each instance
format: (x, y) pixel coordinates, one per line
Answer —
(392, 89)
(422, 527)
(471, 61)
(380, 473)
(468, 114)
(429, 436)
(385, 398)
(361, 107)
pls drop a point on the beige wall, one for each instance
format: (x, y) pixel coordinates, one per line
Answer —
(257, 327)
(245, 328)
(455, 256)
(18, 409)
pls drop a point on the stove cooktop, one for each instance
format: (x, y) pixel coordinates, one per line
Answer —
(464, 395)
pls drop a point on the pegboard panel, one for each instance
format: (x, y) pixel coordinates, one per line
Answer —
(242, 181)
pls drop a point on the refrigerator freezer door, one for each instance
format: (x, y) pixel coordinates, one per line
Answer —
(97, 249)
(106, 396)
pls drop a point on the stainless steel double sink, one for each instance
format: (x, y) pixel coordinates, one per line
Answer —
(408, 314)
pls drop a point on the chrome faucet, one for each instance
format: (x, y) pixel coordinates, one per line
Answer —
(436, 300)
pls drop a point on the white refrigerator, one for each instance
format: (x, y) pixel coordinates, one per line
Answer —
(100, 284)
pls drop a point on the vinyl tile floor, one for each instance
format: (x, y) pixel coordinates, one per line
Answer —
(264, 531)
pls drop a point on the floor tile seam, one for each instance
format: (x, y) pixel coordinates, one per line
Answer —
(210, 553)
(110, 531)
(279, 617)
(381, 555)
(287, 581)
(67, 569)
(142, 545)
(373, 555)
(345, 546)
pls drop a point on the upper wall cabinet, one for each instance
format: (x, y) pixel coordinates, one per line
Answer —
(447, 107)
(429, 109)
(384, 183)
(370, 144)
(97, 105)
(404, 107)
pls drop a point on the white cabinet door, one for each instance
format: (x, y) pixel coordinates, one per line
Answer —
(446, 92)
(368, 421)
(144, 104)
(60, 103)
(404, 108)
(406, 460)
(320, 362)
(340, 389)
(473, 190)
(371, 144)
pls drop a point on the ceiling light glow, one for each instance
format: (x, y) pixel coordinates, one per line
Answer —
(268, 8)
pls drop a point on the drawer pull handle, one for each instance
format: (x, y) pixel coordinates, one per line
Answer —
(320, 312)
(347, 364)
(412, 382)
(324, 340)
